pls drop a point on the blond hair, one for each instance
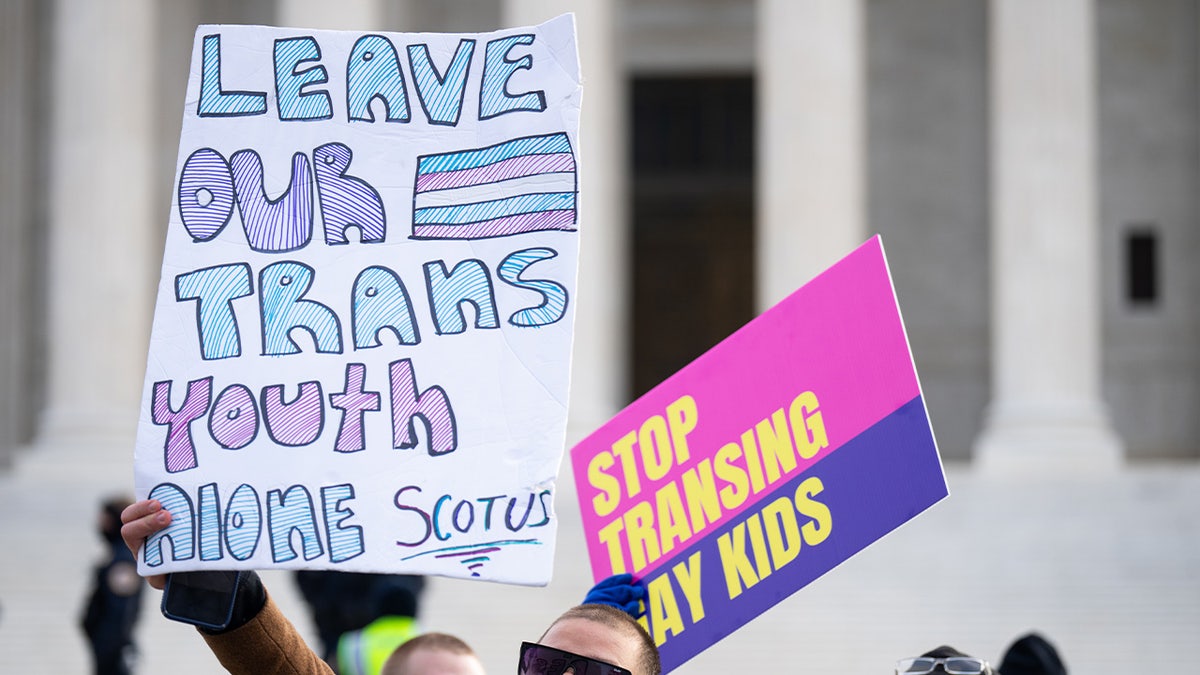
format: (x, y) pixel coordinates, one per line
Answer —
(397, 663)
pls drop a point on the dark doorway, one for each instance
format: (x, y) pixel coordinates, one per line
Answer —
(693, 219)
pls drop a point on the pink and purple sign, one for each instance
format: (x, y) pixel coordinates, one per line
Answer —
(790, 446)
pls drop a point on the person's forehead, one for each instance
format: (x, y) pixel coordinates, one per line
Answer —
(594, 640)
(441, 662)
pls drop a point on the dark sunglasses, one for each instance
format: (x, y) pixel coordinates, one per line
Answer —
(542, 660)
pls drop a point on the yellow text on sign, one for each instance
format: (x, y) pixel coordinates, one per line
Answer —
(681, 508)
(763, 543)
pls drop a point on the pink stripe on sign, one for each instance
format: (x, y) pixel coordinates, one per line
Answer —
(499, 227)
(514, 167)
(839, 337)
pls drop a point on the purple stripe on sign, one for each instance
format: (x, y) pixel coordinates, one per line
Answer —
(499, 227)
(870, 486)
(515, 167)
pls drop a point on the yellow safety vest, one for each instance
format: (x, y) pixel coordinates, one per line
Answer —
(363, 652)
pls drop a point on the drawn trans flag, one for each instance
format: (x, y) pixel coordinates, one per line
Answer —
(522, 185)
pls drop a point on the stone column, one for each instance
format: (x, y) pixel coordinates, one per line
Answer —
(811, 111)
(1046, 368)
(601, 357)
(326, 14)
(18, 35)
(100, 271)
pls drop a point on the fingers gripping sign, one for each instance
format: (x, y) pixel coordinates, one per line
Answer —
(140, 520)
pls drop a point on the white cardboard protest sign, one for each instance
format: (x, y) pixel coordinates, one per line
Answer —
(361, 346)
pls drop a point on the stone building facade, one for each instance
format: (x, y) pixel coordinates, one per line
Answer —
(1032, 167)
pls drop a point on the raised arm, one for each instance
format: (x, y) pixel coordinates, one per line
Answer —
(260, 640)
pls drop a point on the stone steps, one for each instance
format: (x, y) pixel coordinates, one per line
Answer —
(1107, 568)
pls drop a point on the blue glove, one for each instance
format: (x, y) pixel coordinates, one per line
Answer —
(618, 591)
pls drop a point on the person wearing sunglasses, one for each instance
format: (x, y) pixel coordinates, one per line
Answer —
(591, 639)
(943, 660)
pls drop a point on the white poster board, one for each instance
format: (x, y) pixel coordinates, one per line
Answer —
(361, 346)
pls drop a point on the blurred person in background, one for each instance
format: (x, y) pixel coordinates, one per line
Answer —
(115, 599)
(363, 651)
(433, 654)
(340, 603)
(1032, 654)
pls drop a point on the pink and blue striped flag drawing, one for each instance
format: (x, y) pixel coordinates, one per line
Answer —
(521, 185)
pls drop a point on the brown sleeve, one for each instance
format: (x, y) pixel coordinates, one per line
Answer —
(268, 645)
